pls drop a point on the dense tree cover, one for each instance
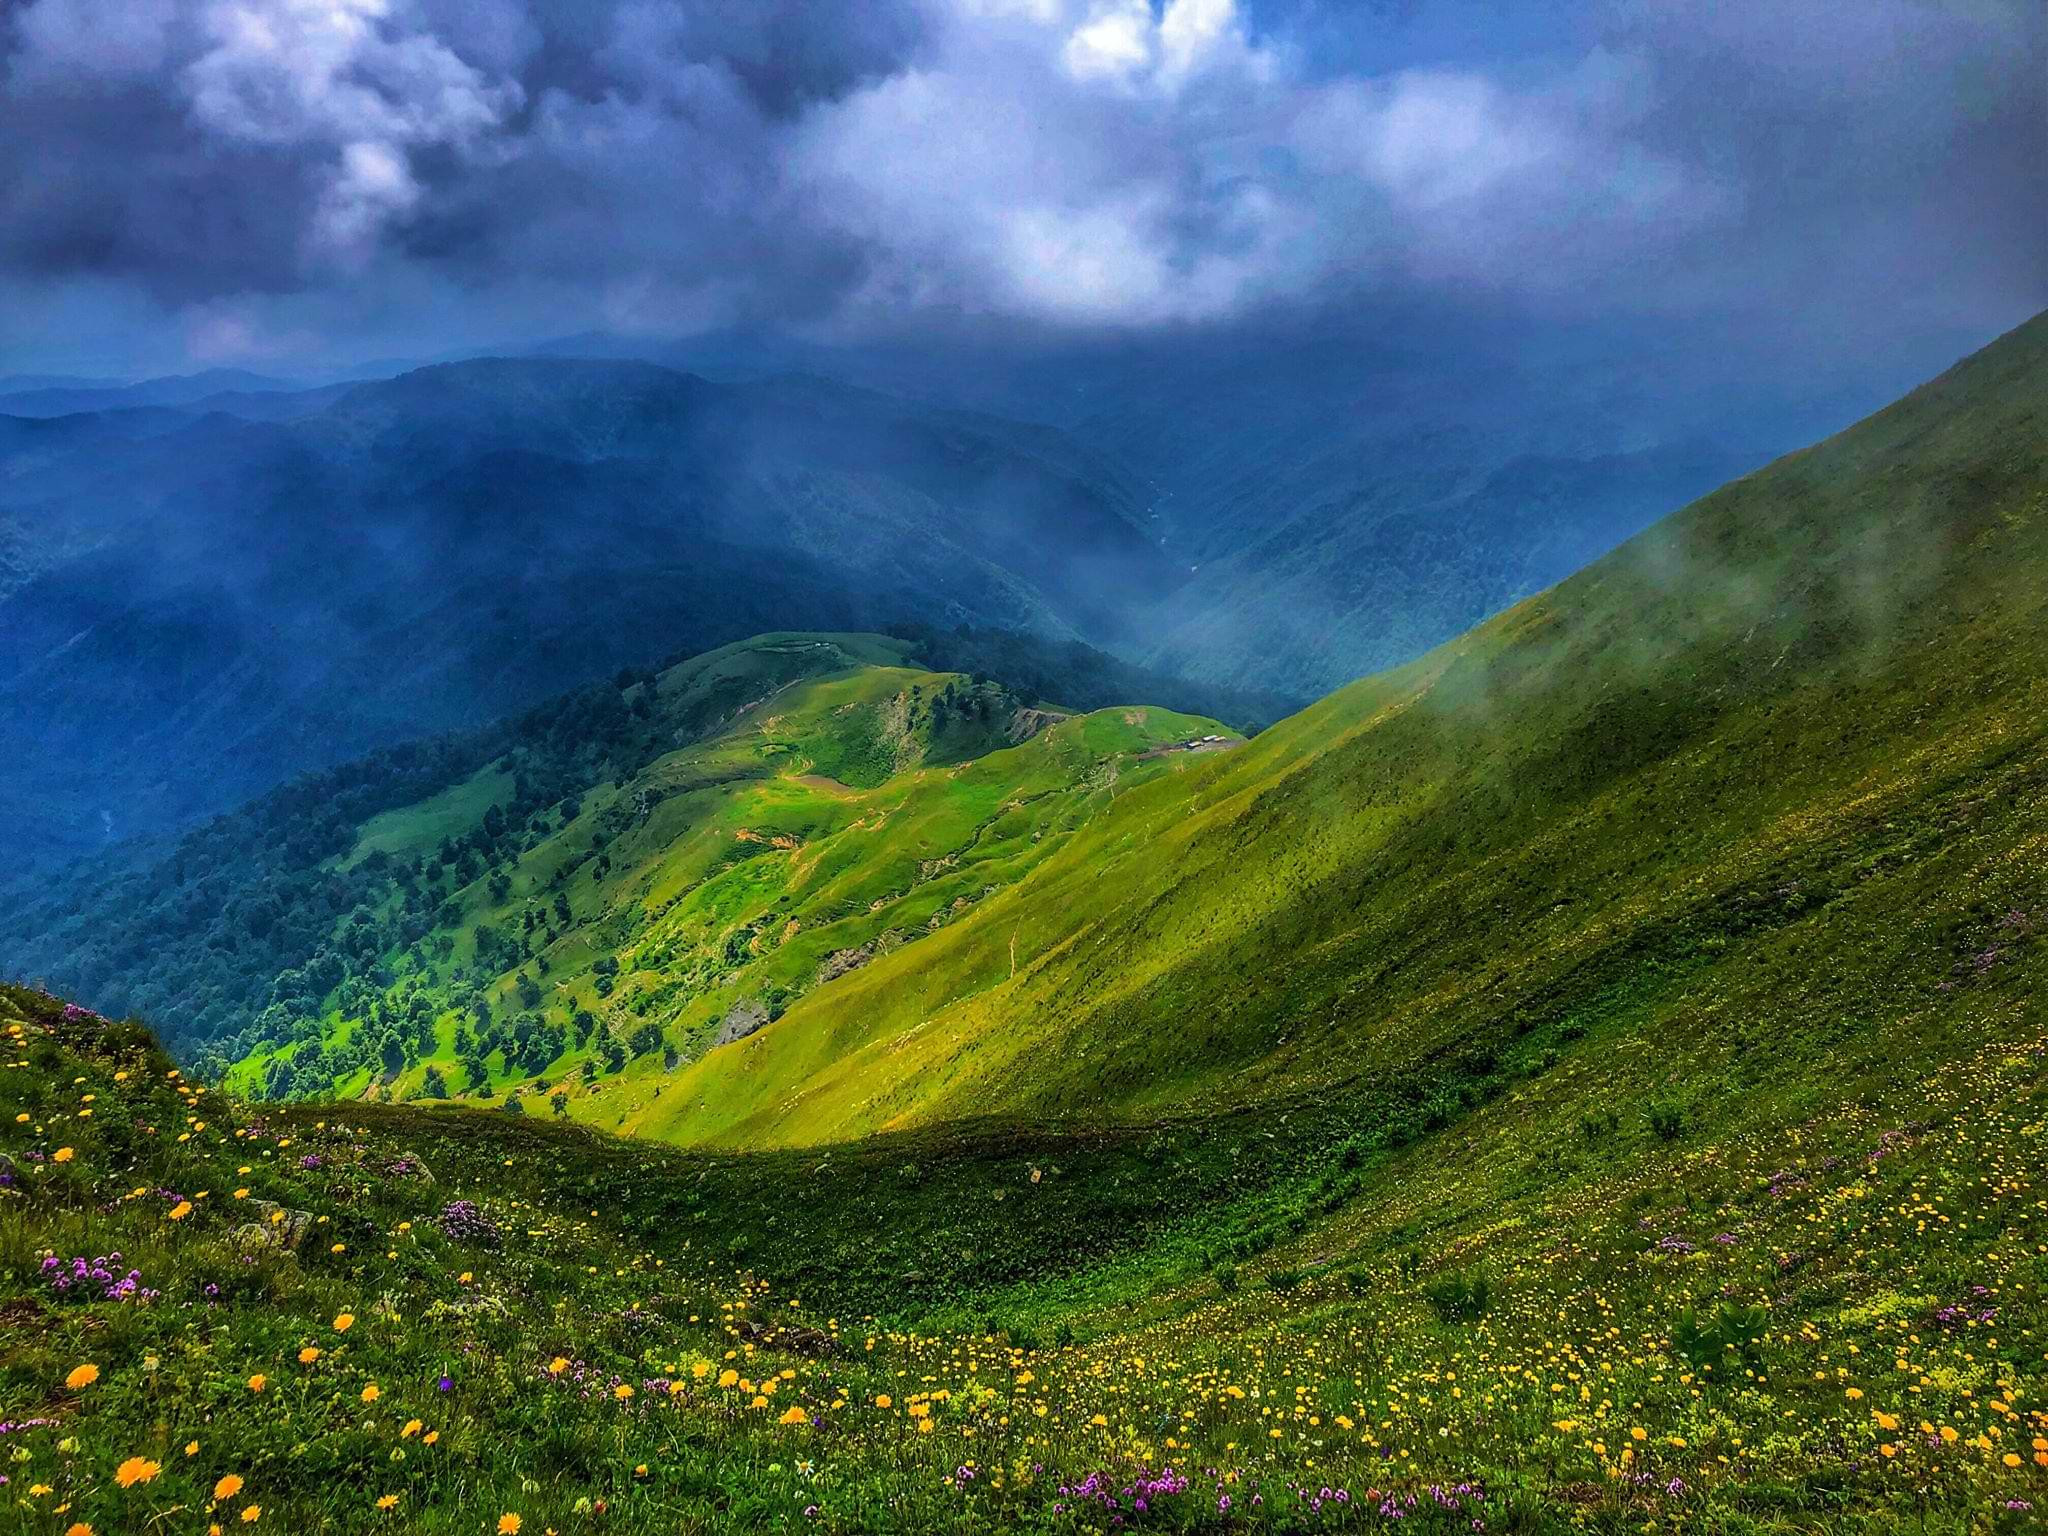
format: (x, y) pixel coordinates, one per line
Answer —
(237, 933)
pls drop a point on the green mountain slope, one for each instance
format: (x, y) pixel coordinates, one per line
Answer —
(356, 895)
(1756, 778)
(849, 808)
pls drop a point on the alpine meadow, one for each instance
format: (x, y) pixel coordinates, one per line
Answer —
(1080, 767)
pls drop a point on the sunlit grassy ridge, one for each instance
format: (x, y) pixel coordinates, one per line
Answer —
(844, 806)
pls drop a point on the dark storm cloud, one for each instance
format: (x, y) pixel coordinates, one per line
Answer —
(299, 178)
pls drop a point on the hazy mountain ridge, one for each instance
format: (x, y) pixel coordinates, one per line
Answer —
(234, 600)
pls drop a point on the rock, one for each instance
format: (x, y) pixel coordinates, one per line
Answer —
(741, 1020)
(793, 1337)
(278, 1224)
(840, 961)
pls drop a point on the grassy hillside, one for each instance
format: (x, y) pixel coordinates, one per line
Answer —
(848, 808)
(1556, 1313)
(1755, 787)
(361, 889)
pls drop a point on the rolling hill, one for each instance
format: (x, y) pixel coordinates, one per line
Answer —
(626, 872)
(1805, 711)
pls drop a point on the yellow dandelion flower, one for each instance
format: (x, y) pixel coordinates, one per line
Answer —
(344, 1322)
(62, 1155)
(82, 1376)
(258, 1382)
(136, 1469)
(181, 1210)
(370, 1393)
(508, 1525)
(622, 1391)
(412, 1427)
(388, 1501)
(558, 1365)
(252, 1514)
(884, 1400)
(796, 1415)
(227, 1487)
(309, 1354)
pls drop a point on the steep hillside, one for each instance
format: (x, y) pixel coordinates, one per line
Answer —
(1770, 773)
(199, 605)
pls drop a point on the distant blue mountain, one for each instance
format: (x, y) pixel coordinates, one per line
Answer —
(23, 396)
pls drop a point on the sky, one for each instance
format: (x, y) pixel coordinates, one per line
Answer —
(296, 186)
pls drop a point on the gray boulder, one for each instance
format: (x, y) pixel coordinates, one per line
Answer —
(741, 1020)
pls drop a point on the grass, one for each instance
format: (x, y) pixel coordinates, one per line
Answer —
(1257, 1307)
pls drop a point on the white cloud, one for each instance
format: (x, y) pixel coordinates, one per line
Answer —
(373, 187)
(1128, 164)
(354, 75)
(1115, 43)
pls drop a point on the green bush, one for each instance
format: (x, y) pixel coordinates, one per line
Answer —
(1730, 1330)
(1666, 1121)
(1459, 1297)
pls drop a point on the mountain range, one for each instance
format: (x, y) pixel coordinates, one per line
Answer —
(197, 606)
(212, 582)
